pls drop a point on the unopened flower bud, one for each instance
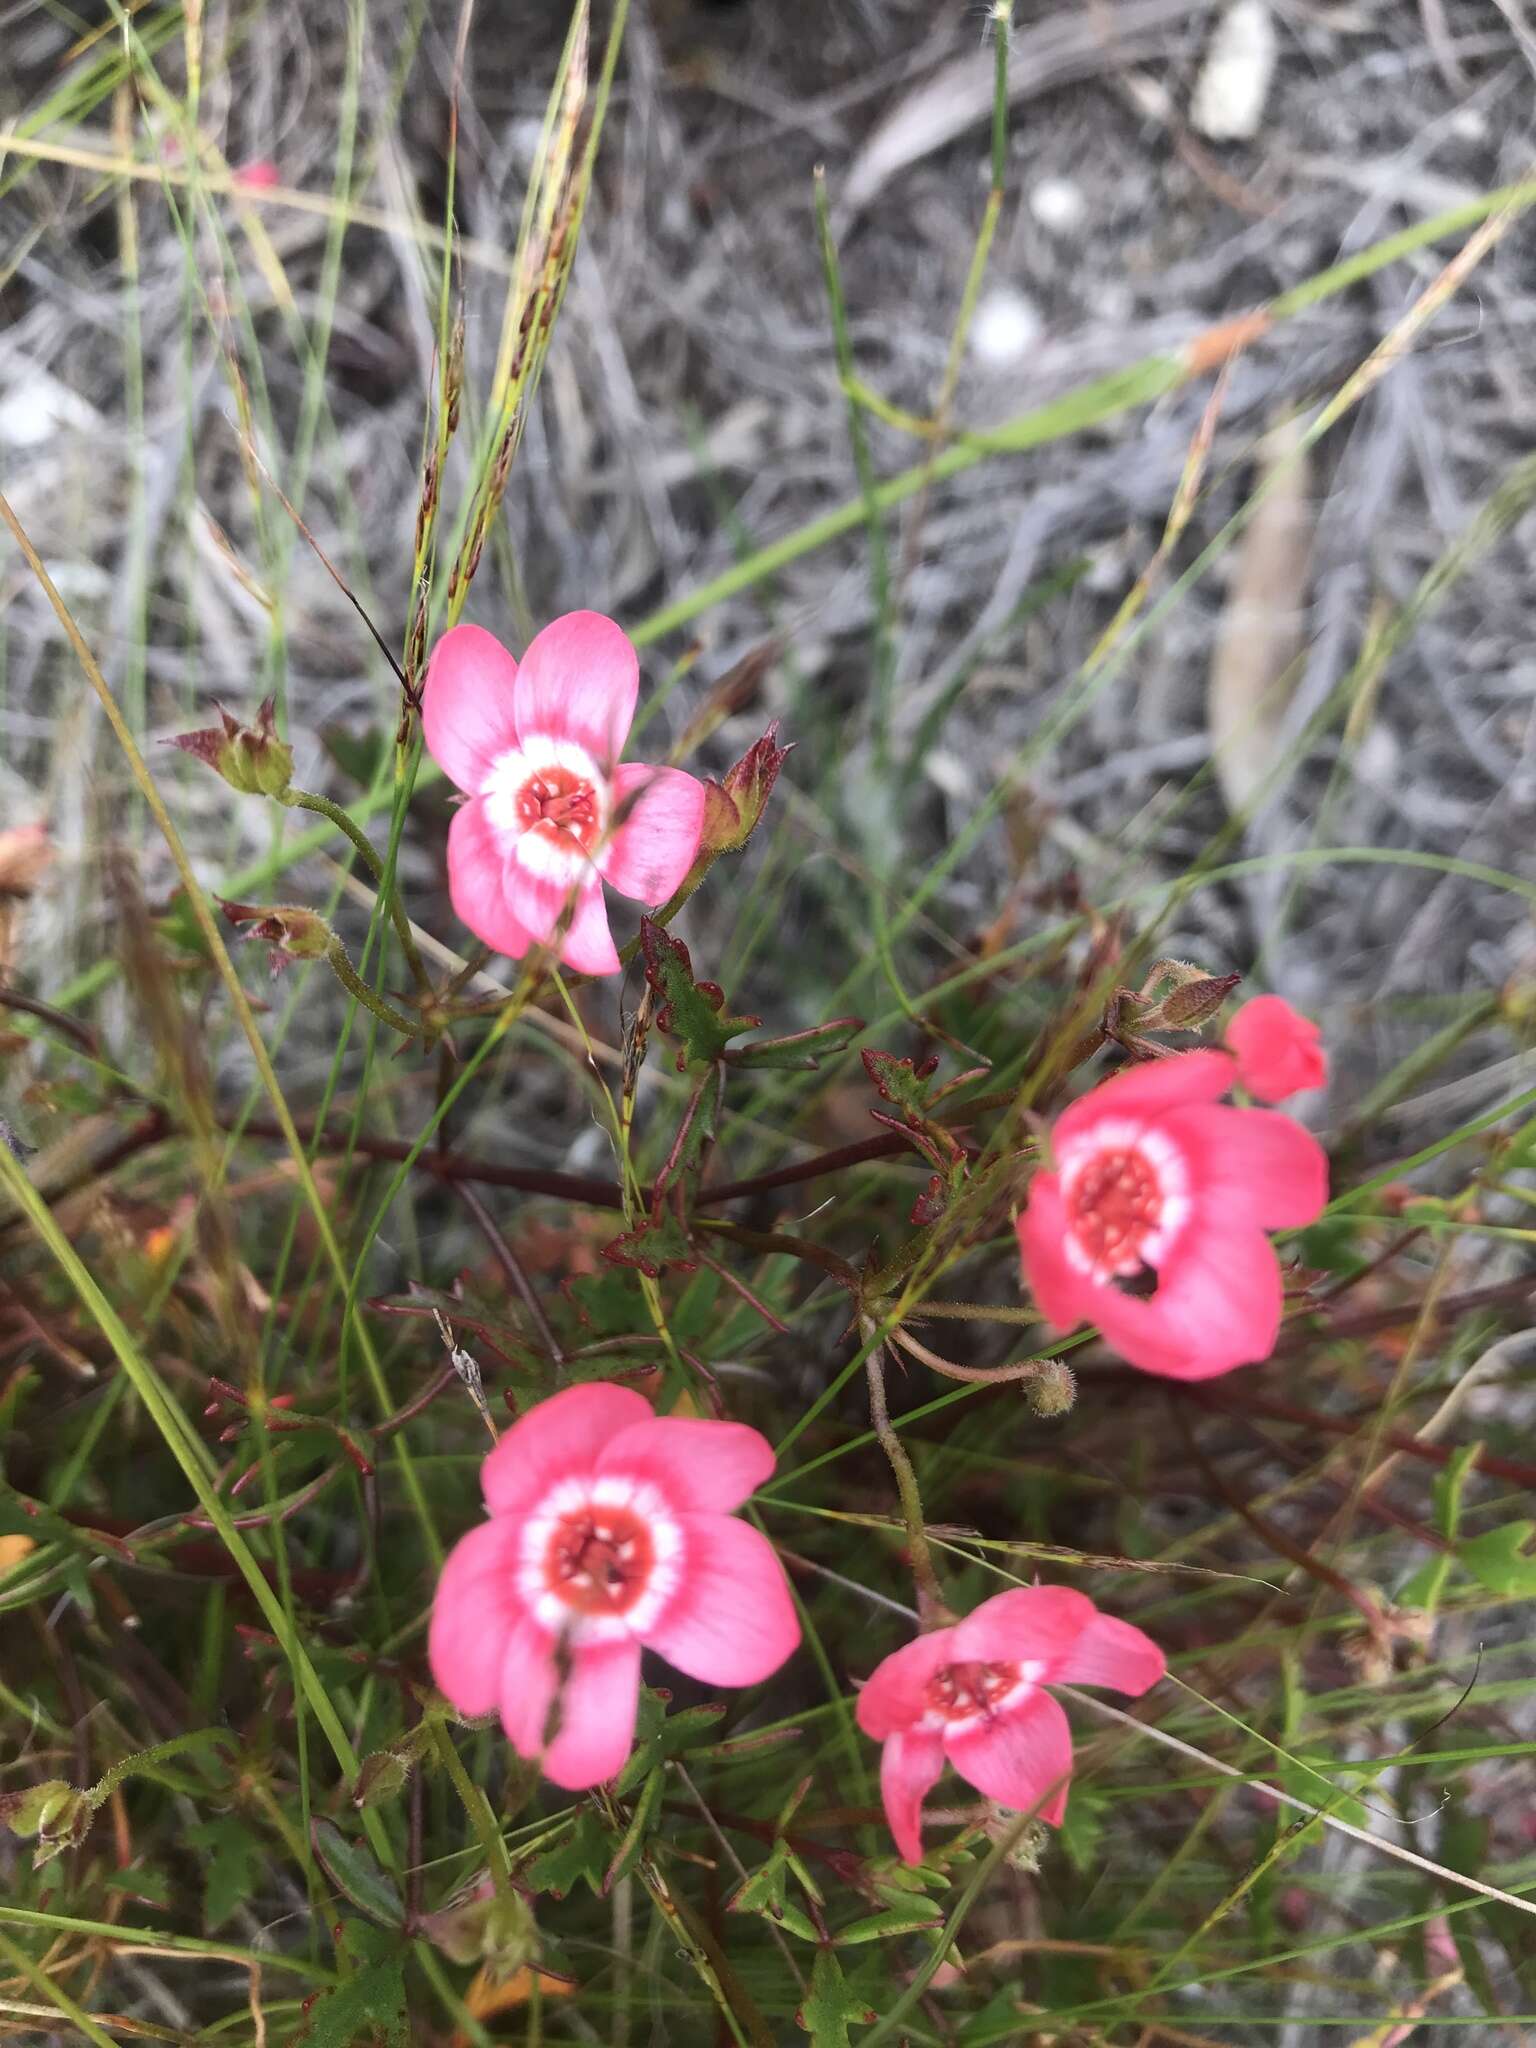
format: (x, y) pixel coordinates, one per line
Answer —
(289, 930)
(1053, 1390)
(733, 807)
(1029, 1850)
(511, 1938)
(479, 1927)
(384, 1776)
(58, 1815)
(1196, 1003)
(251, 758)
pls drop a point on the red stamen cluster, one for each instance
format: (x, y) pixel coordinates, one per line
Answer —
(555, 797)
(961, 1690)
(599, 1560)
(1115, 1205)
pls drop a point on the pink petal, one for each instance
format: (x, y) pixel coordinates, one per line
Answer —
(1149, 1090)
(1217, 1305)
(477, 868)
(702, 1467)
(731, 1620)
(579, 681)
(556, 1438)
(1279, 1052)
(527, 1691)
(909, 1765)
(1063, 1295)
(1063, 1630)
(474, 1611)
(895, 1695)
(595, 1725)
(588, 945)
(1021, 1757)
(660, 814)
(1255, 1165)
(540, 902)
(467, 712)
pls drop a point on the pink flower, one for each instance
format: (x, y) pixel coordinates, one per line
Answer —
(974, 1694)
(610, 1528)
(259, 175)
(1154, 1181)
(1278, 1052)
(536, 749)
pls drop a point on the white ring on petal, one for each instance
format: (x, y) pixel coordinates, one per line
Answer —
(509, 772)
(1169, 1169)
(612, 1490)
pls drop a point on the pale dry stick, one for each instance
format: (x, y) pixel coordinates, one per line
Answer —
(1330, 1820)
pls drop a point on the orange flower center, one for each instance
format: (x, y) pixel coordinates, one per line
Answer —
(599, 1560)
(560, 802)
(1115, 1204)
(959, 1691)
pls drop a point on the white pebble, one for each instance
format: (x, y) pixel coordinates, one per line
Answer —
(1058, 204)
(1006, 327)
(1233, 85)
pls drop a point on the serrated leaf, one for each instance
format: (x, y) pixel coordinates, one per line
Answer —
(830, 2008)
(356, 1874)
(1497, 1559)
(900, 1083)
(369, 2009)
(233, 1859)
(584, 1854)
(668, 1735)
(762, 1890)
(661, 1241)
(690, 1010)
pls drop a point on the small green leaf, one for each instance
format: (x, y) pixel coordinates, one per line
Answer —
(584, 1854)
(899, 1082)
(799, 1051)
(830, 2008)
(693, 1011)
(234, 1857)
(884, 1926)
(369, 2009)
(634, 1835)
(355, 1873)
(1498, 1560)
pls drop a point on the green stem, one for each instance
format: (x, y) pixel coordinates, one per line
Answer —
(931, 1606)
(478, 1808)
(308, 800)
(341, 966)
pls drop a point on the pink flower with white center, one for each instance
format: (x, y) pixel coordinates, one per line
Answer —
(611, 1528)
(973, 1696)
(1279, 1052)
(552, 813)
(1157, 1184)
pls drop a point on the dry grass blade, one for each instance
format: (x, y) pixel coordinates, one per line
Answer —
(1263, 624)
